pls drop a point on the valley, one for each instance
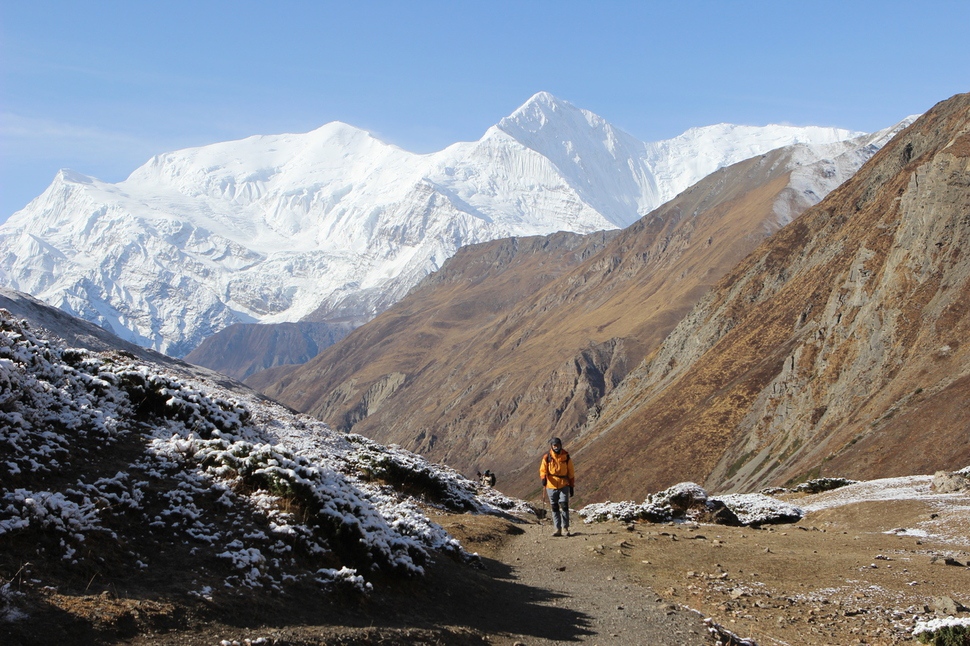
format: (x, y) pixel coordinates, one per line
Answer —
(749, 334)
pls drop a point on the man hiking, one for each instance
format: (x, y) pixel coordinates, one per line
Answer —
(558, 478)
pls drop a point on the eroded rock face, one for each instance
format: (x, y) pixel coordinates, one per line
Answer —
(836, 347)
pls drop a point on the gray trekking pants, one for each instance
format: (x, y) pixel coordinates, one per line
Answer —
(559, 499)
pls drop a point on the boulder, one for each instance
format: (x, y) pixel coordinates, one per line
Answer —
(950, 482)
(680, 498)
(716, 512)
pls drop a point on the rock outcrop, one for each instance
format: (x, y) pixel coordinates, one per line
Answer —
(950, 482)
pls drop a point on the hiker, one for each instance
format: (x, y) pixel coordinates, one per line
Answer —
(487, 479)
(558, 478)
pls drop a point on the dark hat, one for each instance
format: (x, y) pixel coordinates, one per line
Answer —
(555, 442)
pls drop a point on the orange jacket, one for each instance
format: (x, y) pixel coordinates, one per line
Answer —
(557, 470)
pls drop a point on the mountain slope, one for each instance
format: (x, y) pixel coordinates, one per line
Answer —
(335, 224)
(123, 478)
(517, 340)
(243, 349)
(836, 348)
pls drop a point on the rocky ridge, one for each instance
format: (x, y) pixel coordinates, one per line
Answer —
(243, 349)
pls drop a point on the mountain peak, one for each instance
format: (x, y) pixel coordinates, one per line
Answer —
(68, 176)
(542, 109)
(546, 99)
(340, 129)
(273, 228)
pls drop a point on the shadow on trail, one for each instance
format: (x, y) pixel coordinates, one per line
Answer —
(489, 600)
(454, 603)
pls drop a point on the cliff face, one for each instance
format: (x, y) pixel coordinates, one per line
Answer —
(517, 340)
(836, 348)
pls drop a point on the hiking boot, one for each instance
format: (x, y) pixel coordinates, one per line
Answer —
(558, 532)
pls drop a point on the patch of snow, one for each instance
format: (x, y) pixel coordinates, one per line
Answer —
(902, 531)
(934, 625)
(902, 488)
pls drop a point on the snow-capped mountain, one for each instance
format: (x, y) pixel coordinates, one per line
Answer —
(335, 223)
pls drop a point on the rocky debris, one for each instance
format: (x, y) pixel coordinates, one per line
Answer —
(689, 501)
(945, 560)
(759, 509)
(950, 482)
(724, 637)
(717, 513)
(835, 577)
(819, 485)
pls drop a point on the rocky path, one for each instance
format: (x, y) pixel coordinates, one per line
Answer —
(583, 590)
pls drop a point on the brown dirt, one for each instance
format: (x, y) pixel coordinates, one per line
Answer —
(836, 577)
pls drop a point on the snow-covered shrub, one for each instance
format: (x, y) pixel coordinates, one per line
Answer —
(155, 396)
(344, 577)
(9, 612)
(414, 476)
(123, 468)
(951, 631)
(625, 512)
(337, 513)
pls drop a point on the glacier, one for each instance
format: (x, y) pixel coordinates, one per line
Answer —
(334, 224)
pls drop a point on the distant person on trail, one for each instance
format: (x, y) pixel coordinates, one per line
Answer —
(558, 478)
(487, 479)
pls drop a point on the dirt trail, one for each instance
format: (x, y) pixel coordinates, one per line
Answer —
(584, 592)
(579, 590)
(844, 575)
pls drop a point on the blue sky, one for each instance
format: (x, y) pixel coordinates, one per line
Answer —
(101, 86)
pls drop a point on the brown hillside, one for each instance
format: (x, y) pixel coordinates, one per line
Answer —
(246, 348)
(836, 348)
(518, 340)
